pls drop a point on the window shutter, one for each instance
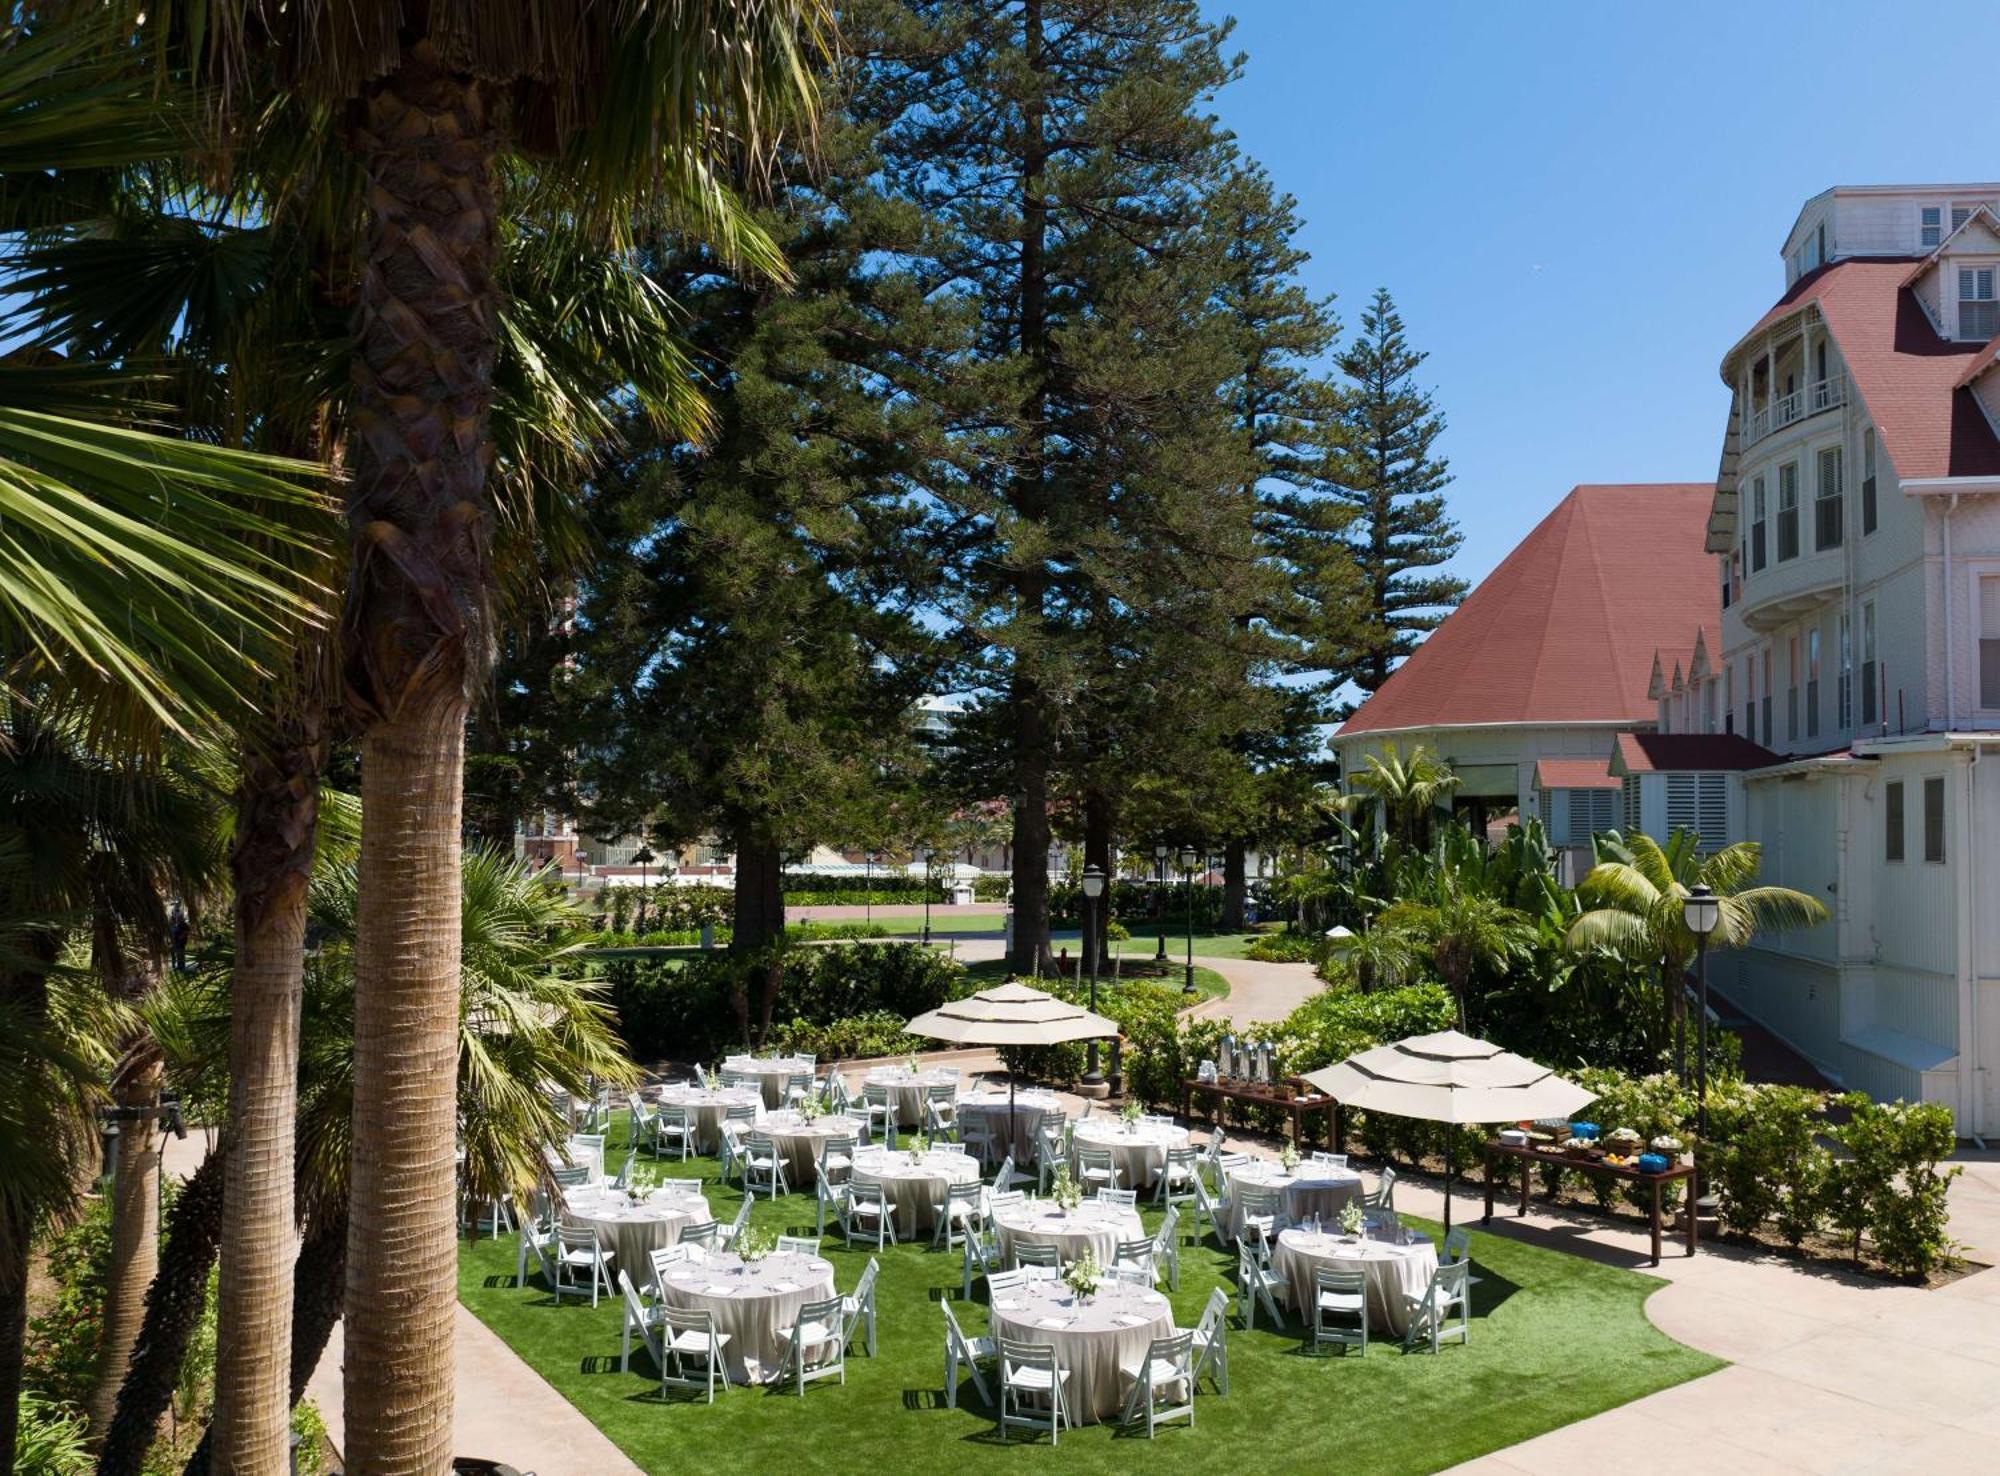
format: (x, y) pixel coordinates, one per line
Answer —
(1683, 812)
(1713, 806)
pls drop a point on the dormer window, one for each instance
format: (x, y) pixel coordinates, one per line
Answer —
(1932, 222)
(1960, 214)
(1978, 313)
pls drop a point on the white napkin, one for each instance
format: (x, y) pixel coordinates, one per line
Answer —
(786, 1286)
(1009, 1306)
(1053, 1322)
(717, 1291)
(1126, 1319)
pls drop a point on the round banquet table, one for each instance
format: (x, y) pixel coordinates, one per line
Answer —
(706, 1108)
(1140, 1155)
(907, 1089)
(773, 1073)
(753, 1304)
(1397, 1268)
(573, 1154)
(916, 1190)
(1310, 1189)
(1093, 1341)
(800, 1142)
(1028, 1110)
(632, 1232)
(1091, 1226)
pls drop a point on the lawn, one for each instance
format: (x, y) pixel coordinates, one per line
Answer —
(1554, 1339)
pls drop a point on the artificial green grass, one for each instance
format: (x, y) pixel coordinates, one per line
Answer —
(1554, 1339)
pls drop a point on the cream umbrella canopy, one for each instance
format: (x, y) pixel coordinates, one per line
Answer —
(1011, 1014)
(1449, 1078)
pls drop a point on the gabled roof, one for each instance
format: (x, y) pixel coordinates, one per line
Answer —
(1565, 629)
(1650, 753)
(1980, 216)
(1575, 773)
(1909, 377)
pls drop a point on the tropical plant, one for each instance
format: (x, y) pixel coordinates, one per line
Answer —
(524, 1022)
(1410, 787)
(1464, 933)
(1633, 898)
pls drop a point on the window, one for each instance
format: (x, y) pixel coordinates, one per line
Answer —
(1708, 706)
(1788, 511)
(1931, 230)
(1892, 820)
(1826, 504)
(1791, 689)
(1812, 682)
(1729, 699)
(1845, 680)
(1770, 733)
(1750, 696)
(1868, 664)
(1989, 640)
(1757, 511)
(1821, 239)
(1629, 802)
(1934, 819)
(1591, 813)
(1700, 803)
(1725, 584)
(1978, 313)
(1868, 481)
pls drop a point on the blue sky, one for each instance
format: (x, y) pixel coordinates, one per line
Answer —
(1579, 207)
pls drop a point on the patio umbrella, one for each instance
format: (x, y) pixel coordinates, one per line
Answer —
(1011, 1015)
(1449, 1078)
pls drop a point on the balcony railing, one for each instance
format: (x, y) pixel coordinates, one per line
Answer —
(1822, 394)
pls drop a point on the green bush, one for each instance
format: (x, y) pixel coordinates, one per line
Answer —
(821, 932)
(878, 1033)
(1890, 1183)
(62, 1342)
(992, 888)
(1764, 1160)
(1282, 948)
(50, 1439)
(888, 888)
(310, 1426)
(1337, 1022)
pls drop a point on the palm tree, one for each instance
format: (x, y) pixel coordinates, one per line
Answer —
(1410, 788)
(620, 110)
(525, 1022)
(1465, 932)
(1633, 898)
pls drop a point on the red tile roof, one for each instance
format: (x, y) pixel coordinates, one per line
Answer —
(1909, 377)
(1574, 773)
(1647, 753)
(1564, 630)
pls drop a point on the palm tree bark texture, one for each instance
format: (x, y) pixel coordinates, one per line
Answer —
(277, 815)
(416, 633)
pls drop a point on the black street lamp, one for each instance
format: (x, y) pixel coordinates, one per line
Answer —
(1093, 888)
(868, 895)
(1701, 912)
(924, 854)
(645, 857)
(1160, 879)
(1187, 868)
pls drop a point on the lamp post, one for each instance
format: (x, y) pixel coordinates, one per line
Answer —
(1187, 869)
(1160, 875)
(924, 854)
(1093, 888)
(645, 857)
(868, 892)
(1701, 912)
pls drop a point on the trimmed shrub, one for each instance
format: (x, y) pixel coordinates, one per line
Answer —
(878, 1033)
(1765, 1160)
(1337, 1022)
(1282, 948)
(1890, 1183)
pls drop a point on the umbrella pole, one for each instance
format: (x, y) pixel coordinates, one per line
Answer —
(1011, 1139)
(1450, 1167)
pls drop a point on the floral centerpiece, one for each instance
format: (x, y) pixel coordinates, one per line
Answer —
(755, 1244)
(1288, 1156)
(913, 1066)
(636, 1193)
(709, 1080)
(1082, 1276)
(1130, 1115)
(1351, 1219)
(1064, 1191)
(919, 1146)
(812, 1109)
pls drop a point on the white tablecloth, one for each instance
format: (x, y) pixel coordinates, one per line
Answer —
(916, 1190)
(1140, 1154)
(1028, 1110)
(579, 1155)
(1311, 1189)
(631, 1231)
(1092, 1341)
(752, 1304)
(1090, 1226)
(772, 1072)
(907, 1090)
(706, 1108)
(800, 1142)
(1395, 1271)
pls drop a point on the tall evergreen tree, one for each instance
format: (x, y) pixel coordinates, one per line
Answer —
(1063, 147)
(1387, 473)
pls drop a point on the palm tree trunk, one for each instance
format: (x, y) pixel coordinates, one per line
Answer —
(417, 636)
(135, 1239)
(14, 1231)
(174, 1307)
(277, 814)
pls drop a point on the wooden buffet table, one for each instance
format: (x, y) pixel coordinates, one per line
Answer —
(1597, 1167)
(1222, 1093)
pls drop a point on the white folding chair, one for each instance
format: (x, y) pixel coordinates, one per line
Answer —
(763, 1166)
(1031, 1388)
(1211, 1340)
(829, 1196)
(673, 1132)
(537, 1239)
(814, 1347)
(1384, 1196)
(1259, 1212)
(1179, 1177)
(1167, 1246)
(879, 1103)
(976, 1134)
(642, 1318)
(961, 1214)
(1337, 1297)
(972, 1352)
(1137, 1254)
(1215, 1211)
(1096, 1168)
(857, 1308)
(1163, 1377)
(730, 1232)
(836, 1156)
(1256, 1283)
(869, 1216)
(692, 1343)
(1123, 1198)
(579, 1254)
(798, 1245)
(1432, 1314)
(1030, 1253)
(981, 1253)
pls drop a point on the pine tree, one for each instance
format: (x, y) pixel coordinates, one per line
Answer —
(1387, 474)
(1063, 148)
